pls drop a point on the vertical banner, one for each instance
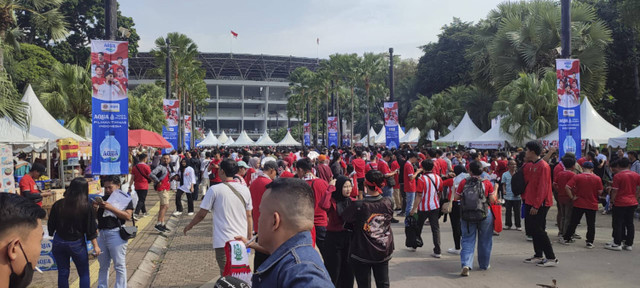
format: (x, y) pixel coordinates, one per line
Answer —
(307, 134)
(391, 124)
(332, 127)
(110, 107)
(7, 183)
(568, 82)
(170, 131)
(187, 132)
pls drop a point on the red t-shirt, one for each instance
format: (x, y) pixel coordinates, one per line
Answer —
(448, 183)
(395, 166)
(581, 161)
(409, 185)
(124, 83)
(354, 183)
(430, 189)
(257, 189)
(247, 176)
(627, 182)
(370, 166)
(538, 178)
(586, 186)
(359, 166)
(501, 167)
(215, 172)
(556, 170)
(561, 182)
(286, 174)
(442, 165)
(97, 80)
(27, 184)
(140, 174)
(384, 168)
(488, 187)
(323, 195)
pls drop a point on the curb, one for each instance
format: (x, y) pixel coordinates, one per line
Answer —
(145, 273)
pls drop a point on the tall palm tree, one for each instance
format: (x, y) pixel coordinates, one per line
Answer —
(299, 90)
(434, 114)
(66, 94)
(349, 68)
(10, 104)
(372, 72)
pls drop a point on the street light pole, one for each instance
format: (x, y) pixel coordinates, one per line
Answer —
(390, 74)
(566, 28)
(167, 69)
(111, 19)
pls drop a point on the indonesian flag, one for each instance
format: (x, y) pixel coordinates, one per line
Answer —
(235, 35)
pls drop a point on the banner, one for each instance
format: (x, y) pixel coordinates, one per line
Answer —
(391, 124)
(170, 131)
(110, 107)
(307, 134)
(187, 132)
(7, 183)
(568, 83)
(332, 127)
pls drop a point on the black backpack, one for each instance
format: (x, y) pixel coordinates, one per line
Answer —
(473, 202)
(517, 183)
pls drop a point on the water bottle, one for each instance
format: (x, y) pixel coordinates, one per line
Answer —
(569, 144)
(109, 154)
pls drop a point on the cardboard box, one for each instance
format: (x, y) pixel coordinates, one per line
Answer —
(56, 194)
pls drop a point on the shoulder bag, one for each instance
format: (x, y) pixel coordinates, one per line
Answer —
(244, 203)
(129, 232)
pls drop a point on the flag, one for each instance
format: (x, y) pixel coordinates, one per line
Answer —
(318, 41)
(235, 35)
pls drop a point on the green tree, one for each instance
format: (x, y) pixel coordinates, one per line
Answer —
(66, 94)
(373, 73)
(434, 114)
(145, 108)
(405, 86)
(529, 106)
(29, 64)
(10, 104)
(299, 94)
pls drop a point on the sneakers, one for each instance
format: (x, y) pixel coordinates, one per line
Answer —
(626, 248)
(453, 251)
(136, 216)
(177, 213)
(613, 246)
(465, 271)
(576, 236)
(159, 228)
(412, 249)
(566, 242)
(589, 245)
(435, 255)
(496, 233)
(533, 260)
(394, 220)
(507, 228)
(529, 238)
(548, 263)
(164, 227)
(190, 213)
(518, 228)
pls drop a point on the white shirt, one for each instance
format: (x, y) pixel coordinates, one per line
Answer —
(229, 215)
(188, 178)
(110, 92)
(267, 159)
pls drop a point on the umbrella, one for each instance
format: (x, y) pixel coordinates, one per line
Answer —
(147, 138)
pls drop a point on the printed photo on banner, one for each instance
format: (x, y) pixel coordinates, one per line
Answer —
(391, 113)
(569, 126)
(109, 70)
(171, 112)
(568, 82)
(170, 131)
(332, 124)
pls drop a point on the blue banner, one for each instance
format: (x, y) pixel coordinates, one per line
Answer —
(187, 132)
(568, 83)
(332, 127)
(307, 134)
(170, 131)
(391, 124)
(110, 107)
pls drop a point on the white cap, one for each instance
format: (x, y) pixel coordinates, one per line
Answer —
(485, 164)
(472, 151)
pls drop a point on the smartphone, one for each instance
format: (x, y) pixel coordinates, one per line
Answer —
(99, 200)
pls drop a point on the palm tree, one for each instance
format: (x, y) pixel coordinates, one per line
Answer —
(10, 105)
(434, 114)
(349, 68)
(145, 108)
(66, 94)
(299, 91)
(372, 72)
(528, 105)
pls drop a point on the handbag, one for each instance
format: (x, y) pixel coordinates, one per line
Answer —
(129, 232)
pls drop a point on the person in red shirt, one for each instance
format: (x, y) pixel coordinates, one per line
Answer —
(257, 189)
(324, 172)
(428, 193)
(624, 198)
(359, 166)
(214, 166)
(28, 187)
(395, 167)
(584, 189)
(140, 180)
(283, 170)
(119, 65)
(565, 204)
(538, 198)
(122, 79)
(338, 237)
(99, 79)
(322, 193)
(387, 190)
(409, 180)
(372, 165)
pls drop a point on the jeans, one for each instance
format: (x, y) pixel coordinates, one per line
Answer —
(433, 216)
(142, 196)
(411, 196)
(179, 201)
(77, 250)
(576, 215)
(321, 235)
(454, 218)
(623, 228)
(362, 271)
(337, 258)
(536, 225)
(512, 205)
(564, 217)
(388, 192)
(484, 231)
(113, 248)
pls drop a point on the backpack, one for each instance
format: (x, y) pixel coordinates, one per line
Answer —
(473, 202)
(517, 183)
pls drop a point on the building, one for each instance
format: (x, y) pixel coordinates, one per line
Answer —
(247, 92)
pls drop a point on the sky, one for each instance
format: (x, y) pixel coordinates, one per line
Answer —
(288, 27)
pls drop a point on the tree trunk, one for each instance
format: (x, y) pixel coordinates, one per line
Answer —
(368, 120)
(326, 91)
(636, 80)
(351, 139)
(338, 114)
(2, 35)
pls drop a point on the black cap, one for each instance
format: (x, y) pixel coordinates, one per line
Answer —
(230, 282)
(38, 168)
(588, 165)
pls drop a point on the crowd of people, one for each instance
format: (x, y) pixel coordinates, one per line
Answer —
(290, 201)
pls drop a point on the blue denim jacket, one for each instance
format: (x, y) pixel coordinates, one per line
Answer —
(294, 264)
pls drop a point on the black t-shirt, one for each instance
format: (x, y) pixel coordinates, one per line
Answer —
(73, 227)
(111, 222)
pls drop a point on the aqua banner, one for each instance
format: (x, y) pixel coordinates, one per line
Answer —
(187, 132)
(332, 127)
(109, 107)
(170, 131)
(391, 124)
(307, 134)
(568, 83)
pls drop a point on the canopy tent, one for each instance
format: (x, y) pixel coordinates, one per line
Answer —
(465, 131)
(223, 138)
(43, 124)
(412, 136)
(372, 135)
(11, 133)
(592, 127)
(382, 136)
(265, 140)
(243, 140)
(143, 137)
(228, 142)
(288, 141)
(495, 138)
(209, 141)
(621, 142)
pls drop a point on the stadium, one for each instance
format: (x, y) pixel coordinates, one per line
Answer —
(247, 92)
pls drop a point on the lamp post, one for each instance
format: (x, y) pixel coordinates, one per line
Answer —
(565, 7)
(111, 18)
(390, 74)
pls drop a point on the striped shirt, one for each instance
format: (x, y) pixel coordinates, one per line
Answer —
(430, 186)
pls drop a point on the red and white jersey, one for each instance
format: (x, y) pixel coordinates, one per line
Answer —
(429, 185)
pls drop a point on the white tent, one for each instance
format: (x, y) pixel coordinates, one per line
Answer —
(288, 141)
(412, 136)
(223, 138)
(43, 124)
(243, 140)
(209, 141)
(495, 138)
(465, 131)
(229, 141)
(382, 136)
(11, 133)
(265, 140)
(372, 136)
(592, 127)
(621, 142)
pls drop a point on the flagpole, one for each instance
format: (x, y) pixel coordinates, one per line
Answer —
(231, 44)
(317, 48)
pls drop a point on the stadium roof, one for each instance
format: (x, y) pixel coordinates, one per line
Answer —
(228, 66)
